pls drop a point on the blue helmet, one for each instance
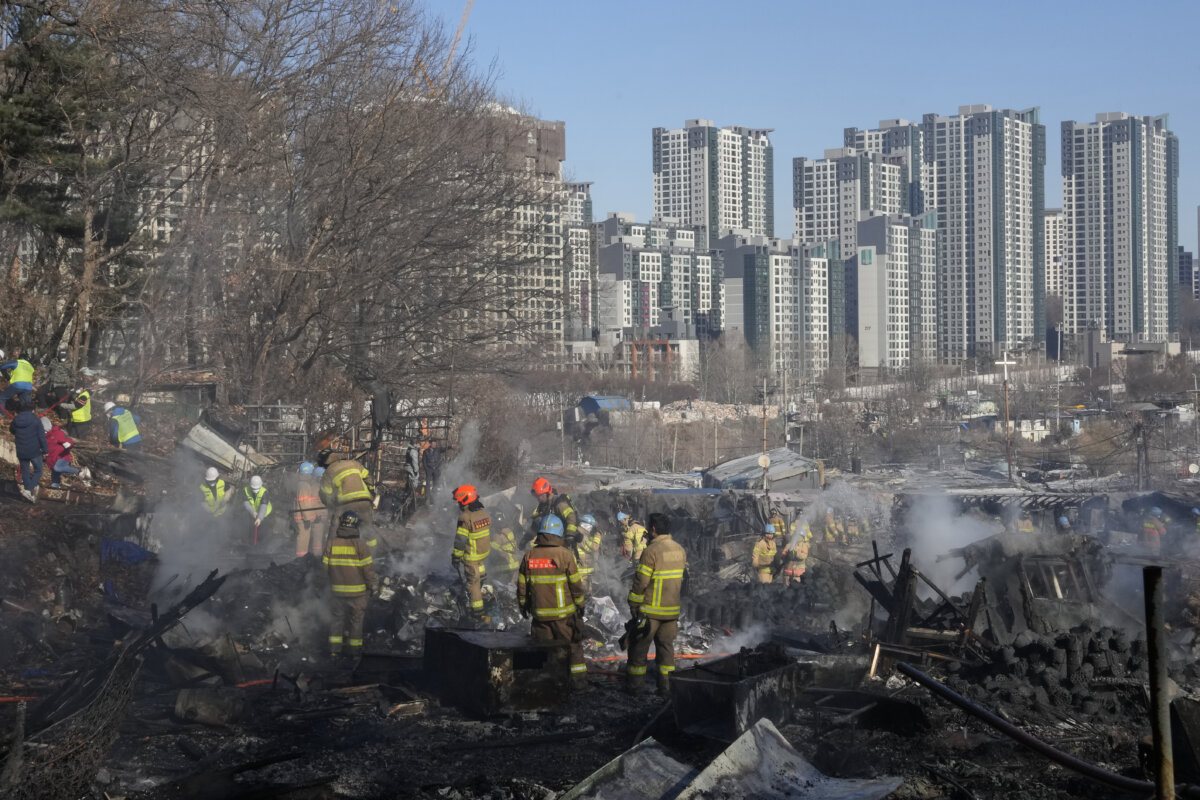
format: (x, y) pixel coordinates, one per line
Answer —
(319, 471)
(769, 529)
(622, 516)
(1156, 511)
(306, 468)
(1064, 522)
(551, 525)
(1196, 512)
(589, 520)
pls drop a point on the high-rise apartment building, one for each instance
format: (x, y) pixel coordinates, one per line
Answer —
(718, 179)
(654, 272)
(902, 143)
(1187, 273)
(1120, 204)
(830, 195)
(579, 267)
(893, 313)
(989, 194)
(1055, 232)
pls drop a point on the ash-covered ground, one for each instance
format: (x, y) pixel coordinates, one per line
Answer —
(268, 715)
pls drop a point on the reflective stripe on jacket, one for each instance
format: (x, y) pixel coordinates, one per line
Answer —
(473, 538)
(589, 551)
(550, 584)
(658, 581)
(308, 499)
(350, 566)
(506, 545)
(633, 541)
(763, 554)
(345, 482)
(84, 412)
(22, 373)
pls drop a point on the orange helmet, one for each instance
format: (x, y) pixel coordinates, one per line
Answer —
(542, 486)
(465, 495)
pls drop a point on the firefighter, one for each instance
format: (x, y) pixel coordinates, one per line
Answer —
(633, 537)
(588, 549)
(1153, 529)
(309, 513)
(850, 529)
(215, 492)
(346, 486)
(560, 506)
(1025, 523)
(550, 589)
(472, 543)
(654, 596)
(775, 517)
(352, 579)
(795, 554)
(763, 555)
(257, 503)
(830, 528)
(506, 558)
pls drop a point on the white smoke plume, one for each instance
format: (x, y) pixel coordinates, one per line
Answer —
(934, 529)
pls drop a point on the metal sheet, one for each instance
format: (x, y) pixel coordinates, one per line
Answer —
(644, 772)
(497, 672)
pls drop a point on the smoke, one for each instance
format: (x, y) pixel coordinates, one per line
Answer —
(934, 529)
(751, 637)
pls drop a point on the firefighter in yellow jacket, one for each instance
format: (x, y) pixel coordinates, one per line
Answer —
(762, 558)
(655, 596)
(506, 556)
(472, 543)
(549, 501)
(352, 579)
(590, 540)
(795, 553)
(550, 589)
(633, 537)
(346, 486)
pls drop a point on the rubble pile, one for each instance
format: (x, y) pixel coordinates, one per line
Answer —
(704, 410)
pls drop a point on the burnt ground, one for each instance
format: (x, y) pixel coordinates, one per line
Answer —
(375, 730)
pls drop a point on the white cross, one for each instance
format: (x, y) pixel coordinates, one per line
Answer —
(1006, 364)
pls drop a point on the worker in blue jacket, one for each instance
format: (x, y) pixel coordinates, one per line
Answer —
(123, 426)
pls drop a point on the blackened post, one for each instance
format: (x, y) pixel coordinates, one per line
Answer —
(1160, 707)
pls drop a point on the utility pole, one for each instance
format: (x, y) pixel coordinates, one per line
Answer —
(1007, 424)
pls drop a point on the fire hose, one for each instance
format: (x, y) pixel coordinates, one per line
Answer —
(1088, 770)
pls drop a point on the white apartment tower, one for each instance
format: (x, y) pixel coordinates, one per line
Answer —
(902, 143)
(1054, 225)
(579, 267)
(892, 312)
(989, 196)
(1120, 205)
(719, 179)
(831, 195)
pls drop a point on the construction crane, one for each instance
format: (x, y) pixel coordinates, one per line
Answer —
(444, 78)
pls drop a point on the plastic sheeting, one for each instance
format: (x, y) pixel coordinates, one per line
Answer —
(644, 772)
(761, 763)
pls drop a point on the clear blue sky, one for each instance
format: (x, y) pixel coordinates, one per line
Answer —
(614, 70)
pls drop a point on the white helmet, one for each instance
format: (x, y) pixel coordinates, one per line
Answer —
(211, 474)
(1, 354)
(256, 483)
(109, 406)
(46, 424)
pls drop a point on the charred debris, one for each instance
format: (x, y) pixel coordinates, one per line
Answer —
(945, 651)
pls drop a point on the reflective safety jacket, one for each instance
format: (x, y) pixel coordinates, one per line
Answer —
(633, 541)
(779, 523)
(1152, 526)
(658, 582)
(126, 429)
(589, 551)
(84, 411)
(833, 532)
(1025, 525)
(763, 555)
(215, 497)
(255, 499)
(308, 499)
(506, 546)
(21, 375)
(550, 585)
(473, 539)
(350, 566)
(344, 482)
(562, 508)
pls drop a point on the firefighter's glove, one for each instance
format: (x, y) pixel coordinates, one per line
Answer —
(386, 593)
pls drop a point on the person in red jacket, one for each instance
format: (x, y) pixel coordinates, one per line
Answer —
(59, 456)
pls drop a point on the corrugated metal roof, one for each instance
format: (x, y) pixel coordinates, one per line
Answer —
(745, 473)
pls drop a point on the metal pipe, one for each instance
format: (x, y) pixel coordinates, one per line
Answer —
(1160, 705)
(1090, 771)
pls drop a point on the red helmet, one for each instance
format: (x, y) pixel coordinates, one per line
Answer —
(542, 486)
(465, 495)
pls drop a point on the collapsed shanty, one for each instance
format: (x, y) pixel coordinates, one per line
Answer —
(143, 660)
